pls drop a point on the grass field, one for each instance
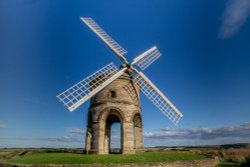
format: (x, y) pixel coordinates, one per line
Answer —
(72, 158)
(228, 157)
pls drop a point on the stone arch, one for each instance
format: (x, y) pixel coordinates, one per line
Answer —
(109, 122)
(137, 120)
(106, 118)
(133, 115)
(111, 110)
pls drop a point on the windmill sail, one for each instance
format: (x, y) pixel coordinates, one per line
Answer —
(158, 98)
(76, 95)
(88, 87)
(113, 45)
(147, 58)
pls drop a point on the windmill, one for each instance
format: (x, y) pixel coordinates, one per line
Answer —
(102, 82)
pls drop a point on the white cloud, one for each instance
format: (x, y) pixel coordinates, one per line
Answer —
(206, 135)
(3, 126)
(235, 14)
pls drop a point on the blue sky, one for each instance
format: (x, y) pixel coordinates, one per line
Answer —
(204, 68)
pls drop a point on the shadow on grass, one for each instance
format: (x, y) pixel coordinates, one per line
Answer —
(229, 164)
(233, 163)
(247, 163)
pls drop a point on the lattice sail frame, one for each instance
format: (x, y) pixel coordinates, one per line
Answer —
(157, 98)
(80, 92)
(118, 49)
(147, 58)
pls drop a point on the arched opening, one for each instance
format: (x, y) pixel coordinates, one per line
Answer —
(137, 132)
(115, 137)
(112, 142)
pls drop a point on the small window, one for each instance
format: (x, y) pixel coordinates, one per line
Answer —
(113, 94)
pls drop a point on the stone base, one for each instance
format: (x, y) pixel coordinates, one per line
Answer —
(128, 151)
(122, 152)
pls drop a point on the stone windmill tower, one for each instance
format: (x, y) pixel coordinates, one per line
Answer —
(116, 103)
(114, 94)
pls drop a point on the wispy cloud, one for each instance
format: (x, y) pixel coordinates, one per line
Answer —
(74, 135)
(76, 131)
(3, 126)
(235, 14)
(63, 139)
(205, 133)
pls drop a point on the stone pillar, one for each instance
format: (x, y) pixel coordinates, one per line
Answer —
(107, 139)
(101, 148)
(95, 138)
(88, 140)
(138, 139)
(127, 141)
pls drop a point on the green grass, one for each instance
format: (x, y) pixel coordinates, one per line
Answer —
(71, 158)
